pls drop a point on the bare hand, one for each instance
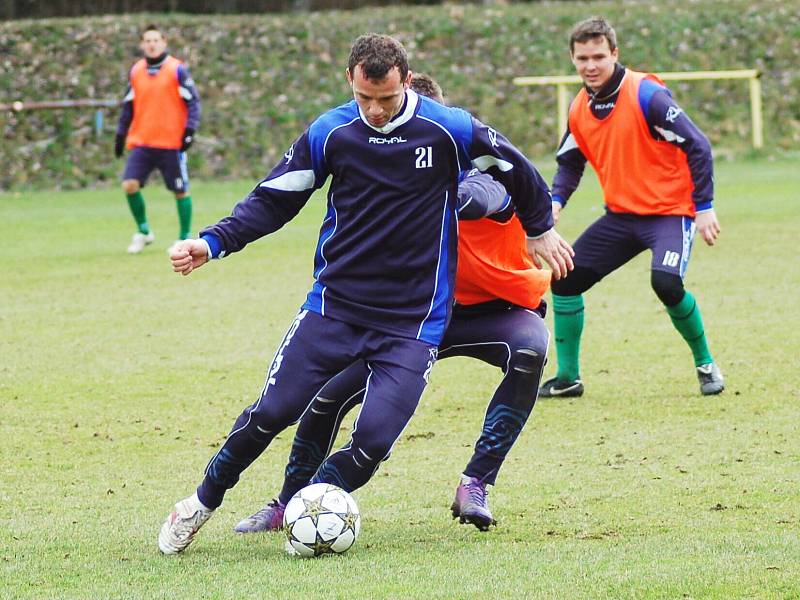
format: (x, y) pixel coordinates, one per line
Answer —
(556, 211)
(708, 226)
(188, 255)
(555, 251)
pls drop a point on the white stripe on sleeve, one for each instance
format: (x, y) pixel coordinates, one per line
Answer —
(486, 161)
(293, 181)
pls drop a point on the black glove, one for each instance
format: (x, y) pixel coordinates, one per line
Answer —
(119, 145)
(188, 138)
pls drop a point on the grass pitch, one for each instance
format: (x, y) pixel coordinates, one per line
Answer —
(118, 379)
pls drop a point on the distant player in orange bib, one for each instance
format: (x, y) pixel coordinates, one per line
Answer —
(160, 114)
(656, 171)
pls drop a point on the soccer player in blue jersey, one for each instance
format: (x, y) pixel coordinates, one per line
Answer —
(384, 265)
(498, 318)
(656, 170)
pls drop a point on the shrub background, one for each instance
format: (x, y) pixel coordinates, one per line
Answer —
(264, 78)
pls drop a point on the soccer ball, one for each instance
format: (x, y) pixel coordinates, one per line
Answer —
(321, 519)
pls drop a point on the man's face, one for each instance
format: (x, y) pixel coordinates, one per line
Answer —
(594, 60)
(379, 100)
(153, 44)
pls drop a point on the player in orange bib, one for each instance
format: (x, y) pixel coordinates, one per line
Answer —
(498, 318)
(160, 114)
(656, 171)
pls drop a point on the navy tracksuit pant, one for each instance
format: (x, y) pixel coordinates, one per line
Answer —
(314, 350)
(506, 336)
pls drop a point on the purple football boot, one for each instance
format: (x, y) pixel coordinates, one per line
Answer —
(472, 504)
(269, 518)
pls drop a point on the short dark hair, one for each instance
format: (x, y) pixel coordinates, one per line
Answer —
(425, 85)
(378, 54)
(591, 28)
(151, 27)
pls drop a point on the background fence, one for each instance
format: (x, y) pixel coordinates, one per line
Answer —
(263, 79)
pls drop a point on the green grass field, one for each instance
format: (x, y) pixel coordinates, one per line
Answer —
(118, 379)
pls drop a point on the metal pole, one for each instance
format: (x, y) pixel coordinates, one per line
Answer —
(563, 106)
(98, 122)
(19, 105)
(755, 112)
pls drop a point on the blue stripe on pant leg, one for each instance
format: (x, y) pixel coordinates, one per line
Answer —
(688, 227)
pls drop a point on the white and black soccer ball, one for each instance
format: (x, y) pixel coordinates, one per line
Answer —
(321, 519)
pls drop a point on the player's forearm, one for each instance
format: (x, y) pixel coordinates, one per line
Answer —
(193, 117)
(493, 153)
(480, 196)
(701, 165)
(669, 122)
(529, 194)
(534, 206)
(571, 164)
(188, 91)
(566, 181)
(125, 116)
(262, 212)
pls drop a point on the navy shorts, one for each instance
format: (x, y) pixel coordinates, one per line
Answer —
(172, 164)
(615, 238)
(490, 332)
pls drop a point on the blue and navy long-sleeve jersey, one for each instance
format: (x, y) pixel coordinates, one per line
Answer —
(186, 88)
(667, 122)
(387, 251)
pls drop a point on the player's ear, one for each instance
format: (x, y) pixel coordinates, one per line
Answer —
(349, 76)
(407, 82)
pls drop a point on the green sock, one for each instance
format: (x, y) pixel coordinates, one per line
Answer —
(185, 216)
(136, 204)
(568, 317)
(686, 318)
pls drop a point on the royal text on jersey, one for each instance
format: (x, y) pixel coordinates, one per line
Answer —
(391, 140)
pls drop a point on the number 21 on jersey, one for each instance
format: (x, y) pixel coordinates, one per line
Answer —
(424, 156)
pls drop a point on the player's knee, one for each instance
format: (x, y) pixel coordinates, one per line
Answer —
(578, 281)
(368, 455)
(527, 361)
(270, 418)
(130, 186)
(668, 287)
(262, 424)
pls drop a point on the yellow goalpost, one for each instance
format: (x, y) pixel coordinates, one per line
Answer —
(752, 75)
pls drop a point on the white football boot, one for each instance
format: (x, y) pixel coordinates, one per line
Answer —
(711, 380)
(139, 241)
(182, 524)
